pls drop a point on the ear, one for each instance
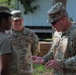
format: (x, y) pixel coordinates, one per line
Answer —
(22, 20)
(64, 18)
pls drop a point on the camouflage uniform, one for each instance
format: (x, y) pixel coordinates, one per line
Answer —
(55, 43)
(26, 44)
(65, 49)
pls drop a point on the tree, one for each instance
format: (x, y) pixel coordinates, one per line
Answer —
(9, 3)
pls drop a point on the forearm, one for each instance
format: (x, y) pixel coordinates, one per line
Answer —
(35, 49)
(48, 56)
(4, 64)
(35, 52)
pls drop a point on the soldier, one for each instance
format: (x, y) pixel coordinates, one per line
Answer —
(63, 58)
(25, 41)
(8, 56)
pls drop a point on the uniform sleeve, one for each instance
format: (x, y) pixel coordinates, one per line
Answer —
(55, 43)
(49, 55)
(35, 48)
(5, 46)
(70, 63)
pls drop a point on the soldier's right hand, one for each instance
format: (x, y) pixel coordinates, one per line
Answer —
(37, 60)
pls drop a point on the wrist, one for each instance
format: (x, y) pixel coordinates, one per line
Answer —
(61, 64)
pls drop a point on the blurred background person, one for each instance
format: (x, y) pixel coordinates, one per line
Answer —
(25, 41)
(8, 56)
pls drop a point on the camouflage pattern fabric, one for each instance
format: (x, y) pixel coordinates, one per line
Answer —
(55, 43)
(26, 44)
(65, 50)
(56, 12)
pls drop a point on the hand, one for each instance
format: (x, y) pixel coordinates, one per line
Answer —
(53, 64)
(37, 60)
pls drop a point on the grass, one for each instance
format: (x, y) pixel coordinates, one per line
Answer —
(41, 70)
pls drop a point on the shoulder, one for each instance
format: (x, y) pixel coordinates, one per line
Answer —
(3, 37)
(29, 31)
(5, 40)
(8, 32)
(5, 45)
(73, 30)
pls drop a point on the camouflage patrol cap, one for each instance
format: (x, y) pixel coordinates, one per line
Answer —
(5, 9)
(17, 14)
(56, 12)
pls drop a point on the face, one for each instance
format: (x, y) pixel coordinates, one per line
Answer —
(8, 23)
(59, 24)
(17, 24)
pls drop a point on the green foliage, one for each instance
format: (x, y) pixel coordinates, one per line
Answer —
(41, 70)
(27, 6)
(26, 3)
(9, 3)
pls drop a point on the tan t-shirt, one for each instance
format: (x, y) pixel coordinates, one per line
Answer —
(6, 47)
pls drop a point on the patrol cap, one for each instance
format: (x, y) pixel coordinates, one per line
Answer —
(56, 12)
(17, 14)
(5, 9)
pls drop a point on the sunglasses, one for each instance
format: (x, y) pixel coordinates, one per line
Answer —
(56, 21)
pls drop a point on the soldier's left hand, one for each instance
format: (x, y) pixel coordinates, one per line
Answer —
(52, 64)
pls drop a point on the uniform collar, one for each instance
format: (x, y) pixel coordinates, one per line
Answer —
(18, 32)
(69, 29)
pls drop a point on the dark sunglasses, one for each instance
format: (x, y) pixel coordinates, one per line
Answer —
(56, 21)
